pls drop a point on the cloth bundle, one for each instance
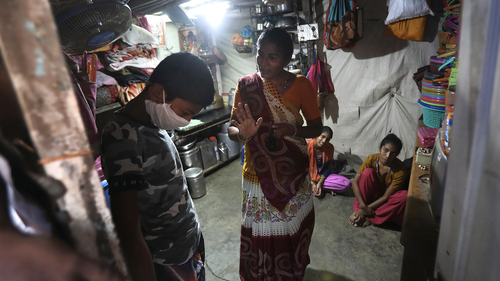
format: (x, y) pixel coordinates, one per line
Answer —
(106, 95)
(139, 56)
(129, 92)
(125, 77)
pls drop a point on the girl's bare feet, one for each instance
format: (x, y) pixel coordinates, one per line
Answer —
(353, 218)
(359, 219)
(333, 193)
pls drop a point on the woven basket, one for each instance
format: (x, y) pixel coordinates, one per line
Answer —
(432, 115)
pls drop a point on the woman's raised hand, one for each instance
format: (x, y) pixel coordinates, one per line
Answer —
(247, 125)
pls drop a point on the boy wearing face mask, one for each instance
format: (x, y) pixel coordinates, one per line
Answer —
(154, 214)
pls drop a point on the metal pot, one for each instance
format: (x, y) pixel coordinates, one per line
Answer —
(286, 22)
(191, 158)
(268, 24)
(260, 10)
(271, 10)
(185, 143)
(286, 7)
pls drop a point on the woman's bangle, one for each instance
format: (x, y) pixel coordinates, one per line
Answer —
(240, 137)
(295, 127)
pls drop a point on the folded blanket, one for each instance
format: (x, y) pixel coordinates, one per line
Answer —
(131, 79)
(128, 79)
(104, 80)
(142, 71)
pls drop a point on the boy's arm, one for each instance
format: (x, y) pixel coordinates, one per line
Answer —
(125, 212)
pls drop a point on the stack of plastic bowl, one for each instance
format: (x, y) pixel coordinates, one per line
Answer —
(432, 101)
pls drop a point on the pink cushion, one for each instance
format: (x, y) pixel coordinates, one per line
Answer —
(337, 183)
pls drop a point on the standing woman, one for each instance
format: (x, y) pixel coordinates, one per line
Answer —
(278, 211)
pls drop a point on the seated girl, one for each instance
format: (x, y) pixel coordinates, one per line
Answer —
(377, 186)
(320, 152)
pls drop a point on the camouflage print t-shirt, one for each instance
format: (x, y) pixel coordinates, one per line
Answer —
(139, 157)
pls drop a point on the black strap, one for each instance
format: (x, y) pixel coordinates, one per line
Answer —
(344, 27)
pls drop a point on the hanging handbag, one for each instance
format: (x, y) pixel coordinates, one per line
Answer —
(340, 24)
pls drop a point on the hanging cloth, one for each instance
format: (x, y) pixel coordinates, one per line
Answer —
(319, 78)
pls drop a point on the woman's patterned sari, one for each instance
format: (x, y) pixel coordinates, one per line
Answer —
(278, 211)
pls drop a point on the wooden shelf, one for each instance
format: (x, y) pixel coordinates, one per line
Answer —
(108, 107)
(419, 234)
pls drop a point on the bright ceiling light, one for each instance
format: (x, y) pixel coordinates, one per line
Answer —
(158, 16)
(214, 12)
(193, 3)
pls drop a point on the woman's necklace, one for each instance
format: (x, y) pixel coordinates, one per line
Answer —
(286, 81)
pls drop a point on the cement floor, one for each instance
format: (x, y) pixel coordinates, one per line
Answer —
(338, 250)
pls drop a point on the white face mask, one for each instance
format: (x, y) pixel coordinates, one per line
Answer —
(163, 116)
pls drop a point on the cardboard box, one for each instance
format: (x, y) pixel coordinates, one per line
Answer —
(424, 156)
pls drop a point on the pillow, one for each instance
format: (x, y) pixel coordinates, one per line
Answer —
(407, 9)
(138, 35)
(412, 29)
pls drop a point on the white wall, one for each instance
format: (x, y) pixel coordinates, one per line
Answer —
(374, 89)
(238, 64)
(172, 44)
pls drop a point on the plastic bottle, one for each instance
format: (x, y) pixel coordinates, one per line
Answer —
(449, 124)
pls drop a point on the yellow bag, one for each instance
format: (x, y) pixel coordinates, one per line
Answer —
(411, 29)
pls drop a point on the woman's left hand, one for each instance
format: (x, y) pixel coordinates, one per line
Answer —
(283, 129)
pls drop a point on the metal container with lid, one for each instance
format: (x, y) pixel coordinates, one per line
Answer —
(223, 152)
(224, 127)
(260, 10)
(185, 143)
(196, 182)
(233, 147)
(191, 158)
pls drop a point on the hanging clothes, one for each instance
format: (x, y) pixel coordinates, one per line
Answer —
(319, 78)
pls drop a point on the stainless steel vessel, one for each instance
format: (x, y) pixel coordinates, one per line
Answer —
(233, 147)
(191, 158)
(196, 182)
(260, 10)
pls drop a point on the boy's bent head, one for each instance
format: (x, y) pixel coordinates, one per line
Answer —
(185, 76)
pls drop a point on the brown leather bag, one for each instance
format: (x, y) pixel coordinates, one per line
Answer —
(339, 34)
